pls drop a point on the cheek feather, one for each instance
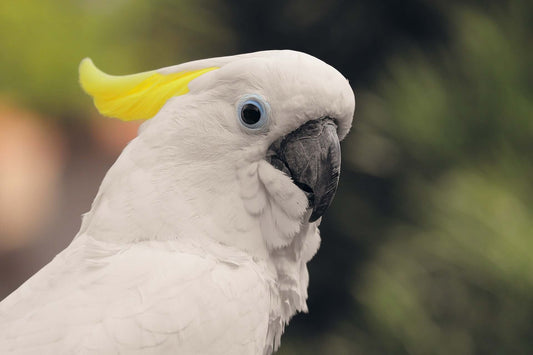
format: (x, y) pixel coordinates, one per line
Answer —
(283, 191)
(271, 197)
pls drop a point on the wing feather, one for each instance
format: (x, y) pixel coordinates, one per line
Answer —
(149, 297)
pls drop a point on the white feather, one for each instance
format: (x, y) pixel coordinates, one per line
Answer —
(160, 296)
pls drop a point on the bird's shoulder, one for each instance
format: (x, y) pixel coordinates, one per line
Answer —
(102, 297)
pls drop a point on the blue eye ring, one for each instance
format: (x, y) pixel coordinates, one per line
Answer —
(253, 112)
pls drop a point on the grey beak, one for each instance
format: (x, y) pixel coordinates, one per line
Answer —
(311, 155)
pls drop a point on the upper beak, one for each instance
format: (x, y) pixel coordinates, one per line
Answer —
(311, 156)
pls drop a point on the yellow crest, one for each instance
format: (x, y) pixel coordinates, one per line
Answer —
(136, 96)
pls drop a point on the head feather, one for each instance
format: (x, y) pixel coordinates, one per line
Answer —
(136, 96)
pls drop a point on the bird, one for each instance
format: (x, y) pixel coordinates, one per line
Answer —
(198, 239)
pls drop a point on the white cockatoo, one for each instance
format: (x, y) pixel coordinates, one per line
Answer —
(198, 238)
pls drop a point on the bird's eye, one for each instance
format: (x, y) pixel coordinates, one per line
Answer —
(250, 114)
(253, 112)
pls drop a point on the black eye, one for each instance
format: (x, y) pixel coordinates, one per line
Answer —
(250, 114)
(253, 112)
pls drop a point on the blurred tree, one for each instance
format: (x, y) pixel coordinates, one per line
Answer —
(456, 275)
(354, 36)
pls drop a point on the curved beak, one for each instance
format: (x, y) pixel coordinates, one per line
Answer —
(311, 155)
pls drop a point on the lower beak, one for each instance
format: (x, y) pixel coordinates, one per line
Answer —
(311, 156)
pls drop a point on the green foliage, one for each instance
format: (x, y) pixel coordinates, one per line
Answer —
(44, 41)
(455, 276)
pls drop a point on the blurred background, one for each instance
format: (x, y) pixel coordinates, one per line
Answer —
(427, 248)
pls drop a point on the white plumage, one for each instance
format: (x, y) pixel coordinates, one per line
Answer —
(195, 243)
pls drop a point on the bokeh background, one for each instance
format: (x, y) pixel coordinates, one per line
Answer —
(428, 246)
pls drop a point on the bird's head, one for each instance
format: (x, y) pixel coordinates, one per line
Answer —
(238, 145)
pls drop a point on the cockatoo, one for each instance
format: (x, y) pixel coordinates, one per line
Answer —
(198, 238)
